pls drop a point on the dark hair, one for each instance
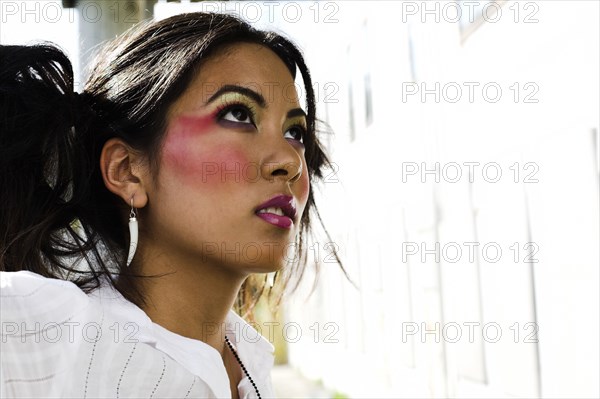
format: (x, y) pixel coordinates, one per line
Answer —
(54, 206)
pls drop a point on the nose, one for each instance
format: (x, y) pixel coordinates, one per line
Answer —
(284, 162)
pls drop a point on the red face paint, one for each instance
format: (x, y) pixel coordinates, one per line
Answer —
(183, 138)
(197, 124)
(198, 156)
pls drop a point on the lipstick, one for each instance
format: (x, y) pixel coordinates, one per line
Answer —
(279, 211)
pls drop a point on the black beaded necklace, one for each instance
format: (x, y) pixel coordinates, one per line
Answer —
(243, 367)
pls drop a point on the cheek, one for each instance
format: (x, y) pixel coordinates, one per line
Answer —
(195, 154)
(304, 187)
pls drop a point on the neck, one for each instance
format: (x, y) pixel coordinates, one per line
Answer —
(193, 300)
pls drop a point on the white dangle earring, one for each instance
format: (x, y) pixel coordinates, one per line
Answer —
(133, 233)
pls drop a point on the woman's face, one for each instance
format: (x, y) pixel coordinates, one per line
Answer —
(233, 142)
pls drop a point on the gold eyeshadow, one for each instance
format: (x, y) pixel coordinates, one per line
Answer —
(296, 121)
(230, 99)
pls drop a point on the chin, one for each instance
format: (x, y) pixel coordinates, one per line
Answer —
(267, 267)
(257, 258)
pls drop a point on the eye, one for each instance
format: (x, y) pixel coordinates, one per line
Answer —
(298, 132)
(236, 113)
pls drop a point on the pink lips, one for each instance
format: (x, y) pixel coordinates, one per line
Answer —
(286, 203)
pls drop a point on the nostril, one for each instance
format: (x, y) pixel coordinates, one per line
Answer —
(290, 171)
(280, 172)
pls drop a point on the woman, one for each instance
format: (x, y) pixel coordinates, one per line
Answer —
(135, 214)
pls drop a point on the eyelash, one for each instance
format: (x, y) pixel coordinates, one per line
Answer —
(302, 129)
(227, 107)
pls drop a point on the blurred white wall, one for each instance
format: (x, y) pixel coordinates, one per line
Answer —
(79, 30)
(472, 285)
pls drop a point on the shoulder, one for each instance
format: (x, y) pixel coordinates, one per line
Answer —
(36, 313)
(25, 282)
(27, 296)
(58, 341)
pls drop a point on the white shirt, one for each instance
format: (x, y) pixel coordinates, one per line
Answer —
(58, 342)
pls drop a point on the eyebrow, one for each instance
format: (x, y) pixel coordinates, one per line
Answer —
(257, 97)
(296, 112)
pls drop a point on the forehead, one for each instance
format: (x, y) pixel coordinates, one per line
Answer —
(249, 65)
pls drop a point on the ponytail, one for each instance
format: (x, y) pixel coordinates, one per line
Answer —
(44, 168)
(54, 206)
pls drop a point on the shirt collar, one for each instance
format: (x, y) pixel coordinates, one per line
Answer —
(254, 350)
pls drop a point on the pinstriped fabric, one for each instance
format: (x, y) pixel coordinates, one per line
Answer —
(58, 342)
(187, 395)
(87, 375)
(36, 315)
(160, 378)
(125, 369)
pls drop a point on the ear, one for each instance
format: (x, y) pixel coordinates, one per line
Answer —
(124, 172)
